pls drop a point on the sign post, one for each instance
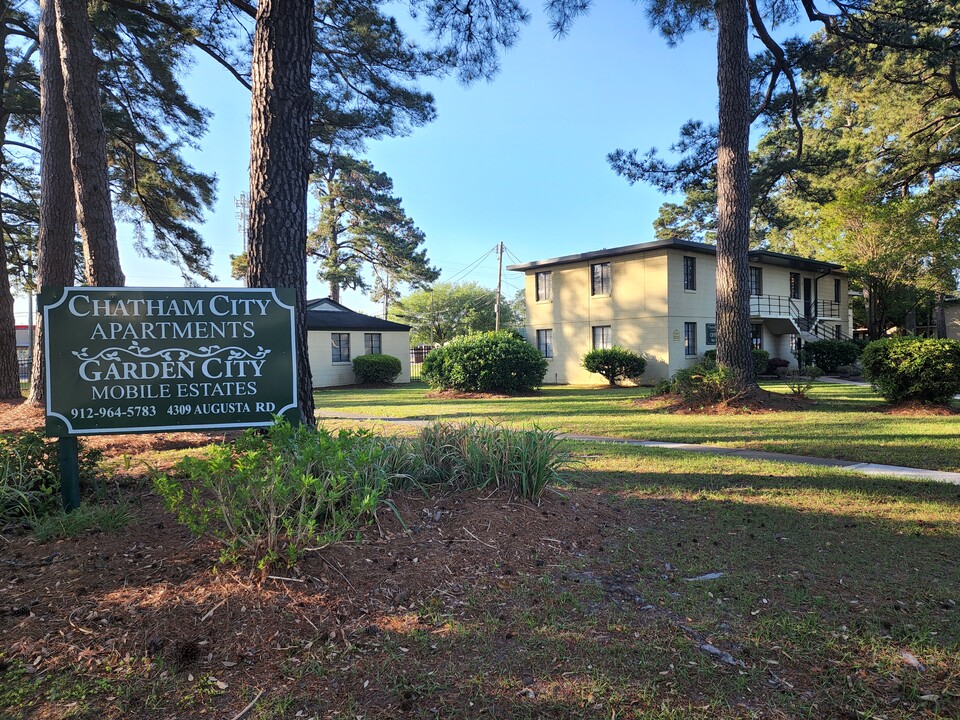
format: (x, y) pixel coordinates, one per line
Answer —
(126, 360)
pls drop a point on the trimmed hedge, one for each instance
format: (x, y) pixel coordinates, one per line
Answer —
(830, 354)
(500, 362)
(760, 359)
(376, 368)
(905, 369)
(616, 364)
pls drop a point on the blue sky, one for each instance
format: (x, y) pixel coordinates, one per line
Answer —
(520, 159)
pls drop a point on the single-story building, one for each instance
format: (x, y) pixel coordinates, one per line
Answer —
(336, 334)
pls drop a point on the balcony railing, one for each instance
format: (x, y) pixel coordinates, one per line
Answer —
(827, 309)
(773, 306)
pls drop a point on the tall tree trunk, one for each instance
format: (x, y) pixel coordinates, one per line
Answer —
(940, 315)
(733, 192)
(88, 145)
(279, 163)
(9, 367)
(56, 260)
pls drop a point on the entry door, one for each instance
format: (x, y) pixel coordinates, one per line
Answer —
(807, 298)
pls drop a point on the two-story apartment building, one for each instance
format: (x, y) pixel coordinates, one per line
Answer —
(659, 298)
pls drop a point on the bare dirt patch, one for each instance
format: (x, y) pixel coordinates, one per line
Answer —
(457, 395)
(755, 401)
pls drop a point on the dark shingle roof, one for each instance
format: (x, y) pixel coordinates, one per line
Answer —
(763, 256)
(325, 314)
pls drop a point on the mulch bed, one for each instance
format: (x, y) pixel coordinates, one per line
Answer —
(918, 409)
(755, 401)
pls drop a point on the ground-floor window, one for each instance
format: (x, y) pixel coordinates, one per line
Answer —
(690, 339)
(602, 337)
(756, 336)
(340, 347)
(839, 332)
(545, 342)
(373, 343)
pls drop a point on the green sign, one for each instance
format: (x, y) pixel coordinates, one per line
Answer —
(167, 359)
(711, 333)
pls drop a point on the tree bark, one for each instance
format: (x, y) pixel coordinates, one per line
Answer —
(280, 164)
(56, 259)
(733, 192)
(88, 146)
(9, 367)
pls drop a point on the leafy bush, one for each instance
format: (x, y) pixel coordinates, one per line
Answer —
(486, 362)
(30, 474)
(478, 455)
(616, 364)
(760, 360)
(829, 354)
(704, 384)
(775, 364)
(800, 381)
(913, 369)
(376, 368)
(275, 494)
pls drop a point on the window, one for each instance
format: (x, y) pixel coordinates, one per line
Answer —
(340, 345)
(544, 286)
(372, 343)
(756, 281)
(545, 343)
(711, 334)
(602, 337)
(600, 279)
(756, 336)
(838, 332)
(836, 290)
(690, 339)
(795, 286)
(689, 273)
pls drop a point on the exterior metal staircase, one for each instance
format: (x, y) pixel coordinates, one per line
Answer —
(784, 316)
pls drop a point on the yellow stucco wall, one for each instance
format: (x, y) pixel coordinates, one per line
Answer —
(327, 373)
(952, 313)
(647, 309)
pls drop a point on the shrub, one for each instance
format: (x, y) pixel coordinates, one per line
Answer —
(800, 381)
(486, 362)
(704, 384)
(376, 369)
(916, 369)
(30, 474)
(760, 360)
(829, 354)
(275, 494)
(478, 455)
(774, 365)
(616, 364)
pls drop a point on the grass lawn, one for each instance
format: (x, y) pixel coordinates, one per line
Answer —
(837, 599)
(848, 422)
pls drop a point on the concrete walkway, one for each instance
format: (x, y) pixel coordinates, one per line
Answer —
(847, 465)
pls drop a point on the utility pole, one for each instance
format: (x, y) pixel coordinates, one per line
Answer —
(499, 282)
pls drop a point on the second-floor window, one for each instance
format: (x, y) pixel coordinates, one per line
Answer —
(689, 273)
(544, 286)
(602, 337)
(756, 281)
(600, 279)
(545, 342)
(372, 343)
(340, 347)
(836, 290)
(795, 286)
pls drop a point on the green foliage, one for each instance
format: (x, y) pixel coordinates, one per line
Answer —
(376, 368)
(486, 362)
(616, 364)
(103, 518)
(275, 494)
(915, 369)
(478, 455)
(830, 354)
(449, 310)
(800, 380)
(704, 384)
(30, 474)
(761, 359)
(775, 364)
